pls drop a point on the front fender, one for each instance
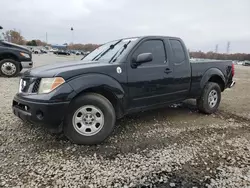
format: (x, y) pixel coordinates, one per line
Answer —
(209, 73)
(87, 81)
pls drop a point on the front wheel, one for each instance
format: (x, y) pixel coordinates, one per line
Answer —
(9, 68)
(90, 120)
(209, 100)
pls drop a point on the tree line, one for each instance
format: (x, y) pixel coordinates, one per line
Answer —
(219, 56)
(16, 37)
(84, 47)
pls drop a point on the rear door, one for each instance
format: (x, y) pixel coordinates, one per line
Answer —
(181, 68)
(150, 83)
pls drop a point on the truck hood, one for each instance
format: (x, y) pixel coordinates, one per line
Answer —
(16, 46)
(67, 70)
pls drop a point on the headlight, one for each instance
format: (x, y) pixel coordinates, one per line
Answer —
(24, 55)
(49, 84)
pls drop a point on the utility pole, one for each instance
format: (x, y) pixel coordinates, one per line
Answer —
(216, 48)
(228, 47)
(46, 38)
(72, 31)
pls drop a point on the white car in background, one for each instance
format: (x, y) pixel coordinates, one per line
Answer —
(53, 50)
(36, 51)
(78, 53)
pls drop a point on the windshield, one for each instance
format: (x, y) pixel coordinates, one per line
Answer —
(108, 50)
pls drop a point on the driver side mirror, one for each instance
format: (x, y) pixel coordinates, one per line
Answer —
(144, 58)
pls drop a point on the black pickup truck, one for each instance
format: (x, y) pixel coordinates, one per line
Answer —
(13, 58)
(83, 99)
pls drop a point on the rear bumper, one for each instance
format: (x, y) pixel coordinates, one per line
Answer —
(50, 115)
(27, 64)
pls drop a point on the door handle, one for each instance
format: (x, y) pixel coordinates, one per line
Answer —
(167, 71)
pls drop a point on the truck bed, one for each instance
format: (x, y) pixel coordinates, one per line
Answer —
(200, 67)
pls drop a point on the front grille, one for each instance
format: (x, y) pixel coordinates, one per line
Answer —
(36, 85)
(29, 85)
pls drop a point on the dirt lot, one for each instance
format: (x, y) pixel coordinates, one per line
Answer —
(170, 147)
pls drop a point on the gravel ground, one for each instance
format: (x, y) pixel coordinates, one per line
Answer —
(170, 147)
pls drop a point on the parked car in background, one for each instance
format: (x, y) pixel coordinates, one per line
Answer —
(44, 51)
(78, 53)
(246, 63)
(36, 51)
(72, 51)
(53, 50)
(62, 52)
(83, 99)
(235, 62)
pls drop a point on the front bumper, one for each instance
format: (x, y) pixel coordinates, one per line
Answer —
(49, 114)
(27, 64)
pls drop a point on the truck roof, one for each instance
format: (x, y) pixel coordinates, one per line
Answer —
(159, 36)
(146, 36)
(152, 36)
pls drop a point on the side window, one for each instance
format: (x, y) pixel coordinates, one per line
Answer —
(178, 51)
(156, 47)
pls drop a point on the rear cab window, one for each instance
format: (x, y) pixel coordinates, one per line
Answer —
(178, 51)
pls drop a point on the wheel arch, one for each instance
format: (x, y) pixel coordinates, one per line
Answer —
(110, 89)
(213, 75)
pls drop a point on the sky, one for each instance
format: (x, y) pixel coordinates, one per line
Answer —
(200, 23)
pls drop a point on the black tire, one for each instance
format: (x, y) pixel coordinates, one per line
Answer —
(98, 101)
(13, 62)
(203, 103)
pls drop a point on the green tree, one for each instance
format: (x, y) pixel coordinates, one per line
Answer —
(31, 43)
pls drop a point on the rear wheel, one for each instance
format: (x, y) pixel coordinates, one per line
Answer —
(209, 100)
(9, 67)
(90, 120)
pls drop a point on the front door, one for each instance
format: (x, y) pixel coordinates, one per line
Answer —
(150, 83)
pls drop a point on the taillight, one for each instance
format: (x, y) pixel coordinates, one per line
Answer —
(232, 69)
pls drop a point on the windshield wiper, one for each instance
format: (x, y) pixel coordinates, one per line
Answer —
(103, 53)
(96, 56)
(115, 57)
